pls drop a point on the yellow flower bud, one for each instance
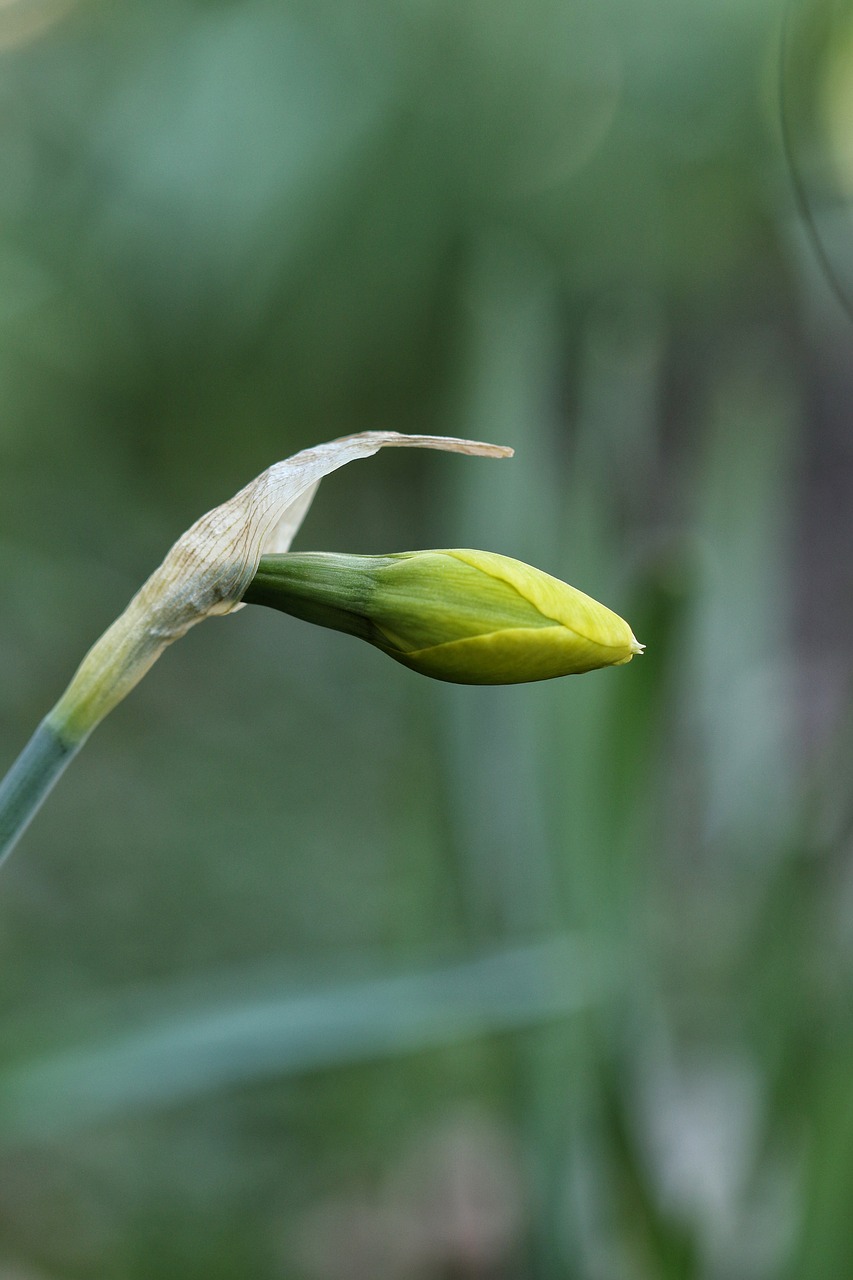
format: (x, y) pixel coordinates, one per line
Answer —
(470, 617)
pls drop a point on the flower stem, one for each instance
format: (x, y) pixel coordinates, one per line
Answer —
(29, 780)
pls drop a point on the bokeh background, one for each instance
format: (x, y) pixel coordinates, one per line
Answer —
(312, 968)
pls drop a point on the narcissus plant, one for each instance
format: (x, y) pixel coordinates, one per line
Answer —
(471, 617)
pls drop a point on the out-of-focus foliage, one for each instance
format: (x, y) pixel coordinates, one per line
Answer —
(312, 968)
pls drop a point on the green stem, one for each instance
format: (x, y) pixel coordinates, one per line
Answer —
(29, 780)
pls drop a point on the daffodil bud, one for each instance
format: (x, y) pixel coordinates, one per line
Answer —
(470, 617)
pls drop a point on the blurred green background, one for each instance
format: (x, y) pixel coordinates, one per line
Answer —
(312, 968)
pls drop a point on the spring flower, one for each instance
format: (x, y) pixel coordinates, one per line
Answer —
(470, 617)
(465, 616)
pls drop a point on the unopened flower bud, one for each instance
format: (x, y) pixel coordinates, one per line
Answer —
(470, 617)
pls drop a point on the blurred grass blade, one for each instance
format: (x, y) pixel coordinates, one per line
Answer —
(175, 1059)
